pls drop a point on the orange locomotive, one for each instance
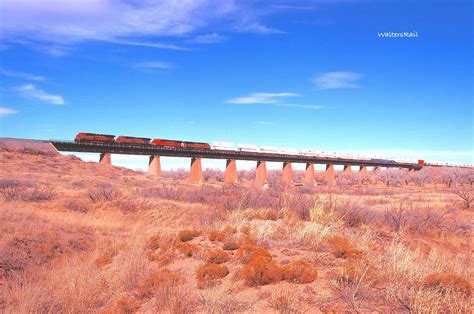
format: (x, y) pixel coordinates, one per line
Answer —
(92, 137)
(132, 140)
(182, 144)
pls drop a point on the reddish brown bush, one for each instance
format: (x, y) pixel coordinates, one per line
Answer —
(187, 249)
(229, 230)
(342, 248)
(207, 275)
(260, 271)
(161, 280)
(216, 235)
(126, 305)
(299, 271)
(246, 252)
(154, 243)
(216, 256)
(445, 282)
(76, 205)
(231, 245)
(188, 235)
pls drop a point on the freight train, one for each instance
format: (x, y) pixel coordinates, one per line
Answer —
(225, 146)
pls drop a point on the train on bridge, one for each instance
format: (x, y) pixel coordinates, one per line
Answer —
(83, 137)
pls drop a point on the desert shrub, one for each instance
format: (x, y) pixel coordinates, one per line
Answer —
(300, 204)
(187, 249)
(446, 282)
(105, 257)
(299, 271)
(188, 235)
(231, 244)
(466, 195)
(76, 205)
(12, 189)
(342, 248)
(216, 235)
(39, 193)
(207, 275)
(357, 273)
(126, 305)
(270, 215)
(216, 256)
(260, 271)
(160, 283)
(247, 251)
(102, 192)
(154, 242)
(229, 230)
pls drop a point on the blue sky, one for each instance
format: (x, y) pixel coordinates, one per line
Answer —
(303, 74)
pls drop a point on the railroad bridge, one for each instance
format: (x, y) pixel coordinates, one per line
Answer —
(231, 156)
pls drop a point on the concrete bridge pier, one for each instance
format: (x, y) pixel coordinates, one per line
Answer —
(363, 170)
(286, 174)
(376, 169)
(309, 177)
(195, 174)
(105, 159)
(230, 172)
(261, 174)
(347, 169)
(330, 176)
(154, 166)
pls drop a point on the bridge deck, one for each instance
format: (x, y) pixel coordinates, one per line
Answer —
(149, 150)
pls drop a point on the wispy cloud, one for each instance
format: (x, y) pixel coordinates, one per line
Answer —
(146, 44)
(273, 99)
(127, 22)
(7, 112)
(260, 98)
(21, 75)
(208, 39)
(332, 80)
(31, 91)
(153, 65)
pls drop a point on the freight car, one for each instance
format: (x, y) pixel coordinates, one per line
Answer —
(92, 137)
(182, 144)
(132, 140)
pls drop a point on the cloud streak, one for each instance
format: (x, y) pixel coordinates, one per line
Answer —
(260, 98)
(127, 22)
(153, 65)
(31, 91)
(7, 112)
(21, 75)
(333, 80)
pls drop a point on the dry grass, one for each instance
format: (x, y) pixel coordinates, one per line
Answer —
(77, 237)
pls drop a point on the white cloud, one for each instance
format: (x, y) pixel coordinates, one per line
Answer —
(146, 44)
(300, 106)
(21, 75)
(7, 112)
(208, 39)
(153, 65)
(125, 21)
(31, 91)
(331, 80)
(260, 98)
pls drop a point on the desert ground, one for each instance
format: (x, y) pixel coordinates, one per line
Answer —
(84, 237)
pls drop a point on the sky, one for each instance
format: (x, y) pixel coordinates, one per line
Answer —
(374, 77)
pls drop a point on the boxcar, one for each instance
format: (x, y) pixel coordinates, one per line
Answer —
(132, 140)
(92, 137)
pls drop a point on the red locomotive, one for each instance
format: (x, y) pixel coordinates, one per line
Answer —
(182, 144)
(92, 137)
(421, 162)
(132, 140)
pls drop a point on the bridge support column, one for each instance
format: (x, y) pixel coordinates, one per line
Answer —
(230, 172)
(376, 169)
(154, 166)
(286, 174)
(309, 178)
(363, 170)
(330, 176)
(347, 169)
(195, 175)
(261, 174)
(105, 159)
